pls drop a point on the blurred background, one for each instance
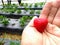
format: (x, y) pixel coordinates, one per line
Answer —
(25, 1)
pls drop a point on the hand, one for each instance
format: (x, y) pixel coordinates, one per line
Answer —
(51, 35)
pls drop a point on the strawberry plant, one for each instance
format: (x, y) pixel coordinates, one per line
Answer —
(36, 5)
(30, 17)
(22, 23)
(4, 20)
(26, 9)
(23, 20)
(21, 4)
(14, 6)
(38, 12)
(18, 11)
(30, 5)
(32, 12)
(25, 5)
(1, 18)
(9, 8)
(41, 4)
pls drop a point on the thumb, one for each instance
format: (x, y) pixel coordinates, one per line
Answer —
(30, 35)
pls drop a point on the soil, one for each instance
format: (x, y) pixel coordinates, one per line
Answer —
(11, 36)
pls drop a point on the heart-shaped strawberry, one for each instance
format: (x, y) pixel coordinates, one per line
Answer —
(40, 24)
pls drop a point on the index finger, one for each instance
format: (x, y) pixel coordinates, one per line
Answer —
(46, 10)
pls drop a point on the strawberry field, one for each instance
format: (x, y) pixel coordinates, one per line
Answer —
(13, 19)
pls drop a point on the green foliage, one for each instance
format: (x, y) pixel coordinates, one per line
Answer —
(30, 5)
(21, 4)
(14, 43)
(4, 20)
(1, 18)
(38, 12)
(24, 19)
(26, 4)
(41, 4)
(36, 5)
(32, 12)
(26, 9)
(2, 42)
(22, 23)
(18, 11)
(30, 17)
(9, 8)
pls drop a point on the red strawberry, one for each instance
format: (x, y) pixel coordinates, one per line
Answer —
(40, 24)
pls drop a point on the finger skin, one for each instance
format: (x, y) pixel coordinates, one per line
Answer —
(56, 20)
(46, 10)
(54, 9)
(57, 15)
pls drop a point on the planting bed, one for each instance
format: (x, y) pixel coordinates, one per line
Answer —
(14, 25)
